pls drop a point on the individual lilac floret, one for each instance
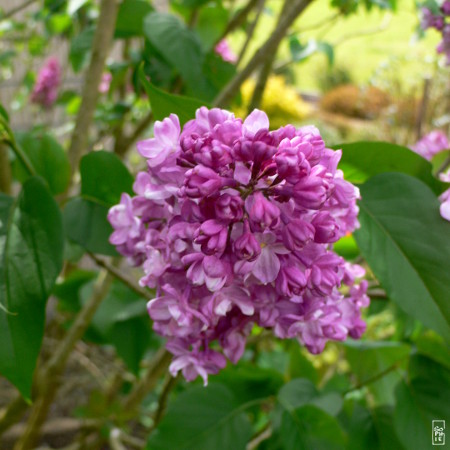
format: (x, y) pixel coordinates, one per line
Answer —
(233, 224)
(45, 91)
(224, 50)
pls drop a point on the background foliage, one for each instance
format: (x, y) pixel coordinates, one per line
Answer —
(76, 340)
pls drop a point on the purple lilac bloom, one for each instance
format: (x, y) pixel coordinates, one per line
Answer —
(431, 144)
(233, 224)
(440, 23)
(45, 91)
(428, 146)
(224, 50)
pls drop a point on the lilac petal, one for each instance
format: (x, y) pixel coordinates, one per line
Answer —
(254, 122)
(241, 173)
(267, 266)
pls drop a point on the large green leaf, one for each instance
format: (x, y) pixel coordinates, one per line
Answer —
(407, 245)
(179, 46)
(369, 429)
(203, 419)
(48, 159)
(86, 224)
(300, 392)
(309, 427)
(130, 18)
(361, 160)
(80, 48)
(372, 359)
(210, 25)
(422, 398)
(31, 250)
(104, 177)
(164, 104)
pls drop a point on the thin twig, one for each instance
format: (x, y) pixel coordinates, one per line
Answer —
(17, 9)
(102, 40)
(169, 384)
(238, 19)
(266, 69)
(123, 143)
(261, 55)
(251, 29)
(157, 367)
(120, 276)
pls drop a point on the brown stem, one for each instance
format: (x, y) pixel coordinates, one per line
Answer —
(100, 47)
(17, 9)
(265, 70)
(423, 108)
(157, 367)
(48, 380)
(238, 19)
(123, 144)
(251, 29)
(296, 7)
(169, 384)
(5, 170)
(117, 273)
(12, 413)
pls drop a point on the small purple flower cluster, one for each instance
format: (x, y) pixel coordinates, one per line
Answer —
(439, 22)
(430, 145)
(45, 91)
(224, 50)
(233, 225)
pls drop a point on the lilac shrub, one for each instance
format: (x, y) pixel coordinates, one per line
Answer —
(441, 23)
(225, 52)
(45, 90)
(233, 225)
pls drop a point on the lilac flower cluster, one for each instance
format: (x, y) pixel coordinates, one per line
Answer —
(233, 225)
(440, 22)
(430, 145)
(45, 91)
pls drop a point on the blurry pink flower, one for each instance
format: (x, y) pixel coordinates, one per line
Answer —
(105, 83)
(45, 91)
(224, 50)
(431, 144)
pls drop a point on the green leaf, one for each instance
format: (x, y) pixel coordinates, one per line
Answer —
(309, 427)
(31, 253)
(407, 245)
(370, 429)
(179, 46)
(301, 52)
(164, 104)
(104, 177)
(203, 418)
(420, 400)
(300, 392)
(86, 224)
(368, 359)
(48, 159)
(362, 160)
(211, 23)
(80, 48)
(249, 382)
(130, 18)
